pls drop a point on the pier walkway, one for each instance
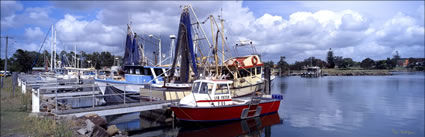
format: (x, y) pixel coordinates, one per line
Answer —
(115, 109)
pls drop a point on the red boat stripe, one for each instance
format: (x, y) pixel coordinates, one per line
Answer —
(219, 100)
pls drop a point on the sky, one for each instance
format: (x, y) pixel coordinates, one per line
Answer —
(294, 29)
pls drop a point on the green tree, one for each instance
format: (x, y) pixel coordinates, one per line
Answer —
(23, 61)
(367, 63)
(282, 64)
(330, 59)
(346, 62)
(269, 64)
(338, 61)
(390, 63)
(381, 64)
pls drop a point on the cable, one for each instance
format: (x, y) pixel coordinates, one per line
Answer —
(36, 59)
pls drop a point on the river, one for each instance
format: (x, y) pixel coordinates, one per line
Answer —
(349, 106)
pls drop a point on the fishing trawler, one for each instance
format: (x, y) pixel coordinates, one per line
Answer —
(136, 76)
(211, 101)
(190, 63)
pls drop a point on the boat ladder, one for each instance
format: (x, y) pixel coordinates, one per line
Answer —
(253, 109)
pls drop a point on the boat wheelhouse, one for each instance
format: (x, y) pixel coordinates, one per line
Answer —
(135, 77)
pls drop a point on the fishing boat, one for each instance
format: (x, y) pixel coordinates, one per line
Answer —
(312, 72)
(190, 63)
(210, 101)
(136, 76)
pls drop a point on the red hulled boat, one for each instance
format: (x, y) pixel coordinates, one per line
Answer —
(211, 101)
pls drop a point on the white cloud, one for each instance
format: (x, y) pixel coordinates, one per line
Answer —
(35, 33)
(350, 31)
(89, 35)
(401, 30)
(8, 8)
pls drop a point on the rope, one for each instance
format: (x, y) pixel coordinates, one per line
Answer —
(41, 47)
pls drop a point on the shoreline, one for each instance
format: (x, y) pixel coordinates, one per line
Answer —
(356, 72)
(352, 72)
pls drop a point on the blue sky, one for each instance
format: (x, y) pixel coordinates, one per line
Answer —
(295, 29)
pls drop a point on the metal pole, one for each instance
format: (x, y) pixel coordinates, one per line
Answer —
(56, 99)
(160, 54)
(172, 37)
(51, 51)
(54, 48)
(202, 29)
(93, 96)
(124, 92)
(5, 62)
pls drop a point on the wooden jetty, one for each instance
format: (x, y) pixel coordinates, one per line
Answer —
(115, 109)
(51, 90)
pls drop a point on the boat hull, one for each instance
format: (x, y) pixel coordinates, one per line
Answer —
(124, 86)
(223, 113)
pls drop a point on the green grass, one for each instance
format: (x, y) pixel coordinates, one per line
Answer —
(14, 116)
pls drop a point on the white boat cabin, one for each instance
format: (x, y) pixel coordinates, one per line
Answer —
(210, 93)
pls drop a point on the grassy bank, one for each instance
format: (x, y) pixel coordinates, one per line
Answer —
(15, 120)
(356, 72)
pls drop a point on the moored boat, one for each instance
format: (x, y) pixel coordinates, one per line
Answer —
(211, 101)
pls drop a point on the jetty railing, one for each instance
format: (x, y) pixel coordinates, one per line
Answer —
(85, 97)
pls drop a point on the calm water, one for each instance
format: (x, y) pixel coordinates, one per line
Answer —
(329, 106)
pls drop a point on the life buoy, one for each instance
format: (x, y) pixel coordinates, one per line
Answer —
(254, 60)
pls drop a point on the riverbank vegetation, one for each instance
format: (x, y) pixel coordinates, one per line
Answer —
(338, 65)
(24, 61)
(15, 119)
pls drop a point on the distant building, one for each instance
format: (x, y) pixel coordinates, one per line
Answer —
(403, 62)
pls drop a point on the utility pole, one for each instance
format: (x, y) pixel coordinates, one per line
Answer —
(5, 60)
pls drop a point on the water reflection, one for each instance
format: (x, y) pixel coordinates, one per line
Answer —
(330, 86)
(258, 126)
(255, 127)
(353, 106)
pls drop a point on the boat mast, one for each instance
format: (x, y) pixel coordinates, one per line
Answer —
(51, 51)
(54, 45)
(75, 55)
(222, 41)
(215, 44)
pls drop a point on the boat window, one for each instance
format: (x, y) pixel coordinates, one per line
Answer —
(243, 73)
(221, 89)
(253, 71)
(158, 71)
(137, 71)
(147, 71)
(228, 74)
(205, 88)
(258, 70)
(195, 87)
(131, 71)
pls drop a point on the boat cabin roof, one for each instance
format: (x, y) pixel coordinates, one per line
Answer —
(136, 66)
(215, 81)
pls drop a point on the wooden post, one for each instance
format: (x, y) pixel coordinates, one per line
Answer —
(267, 80)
